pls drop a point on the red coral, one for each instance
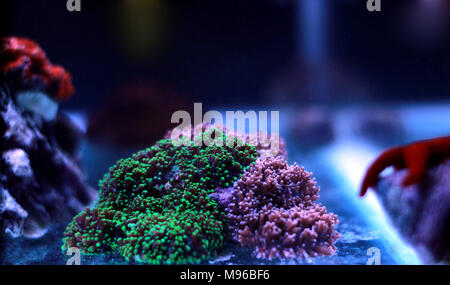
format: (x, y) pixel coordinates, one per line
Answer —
(23, 61)
(415, 157)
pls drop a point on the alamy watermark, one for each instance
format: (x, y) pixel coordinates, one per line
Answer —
(75, 256)
(236, 122)
(373, 5)
(375, 256)
(73, 5)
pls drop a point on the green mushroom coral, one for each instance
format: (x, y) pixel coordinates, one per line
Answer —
(155, 206)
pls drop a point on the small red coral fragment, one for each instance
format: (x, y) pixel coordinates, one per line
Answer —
(23, 61)
(415, 157)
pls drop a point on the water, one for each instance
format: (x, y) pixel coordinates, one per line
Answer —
(337, 166)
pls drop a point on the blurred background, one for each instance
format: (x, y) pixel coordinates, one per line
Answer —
(138, 61)
(348, 82)
(235, 52)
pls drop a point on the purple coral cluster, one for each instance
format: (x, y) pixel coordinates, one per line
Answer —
(272, 208)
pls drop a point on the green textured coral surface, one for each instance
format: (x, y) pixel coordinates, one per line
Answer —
(155, 207)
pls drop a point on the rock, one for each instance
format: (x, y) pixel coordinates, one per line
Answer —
(12, 215)
(421, 212)
(17, 160)
(41, 181)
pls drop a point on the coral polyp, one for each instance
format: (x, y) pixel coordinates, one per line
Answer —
(177, 202)
(156, 207)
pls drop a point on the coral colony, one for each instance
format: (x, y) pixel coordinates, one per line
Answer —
(176, 203)
(272, 209)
